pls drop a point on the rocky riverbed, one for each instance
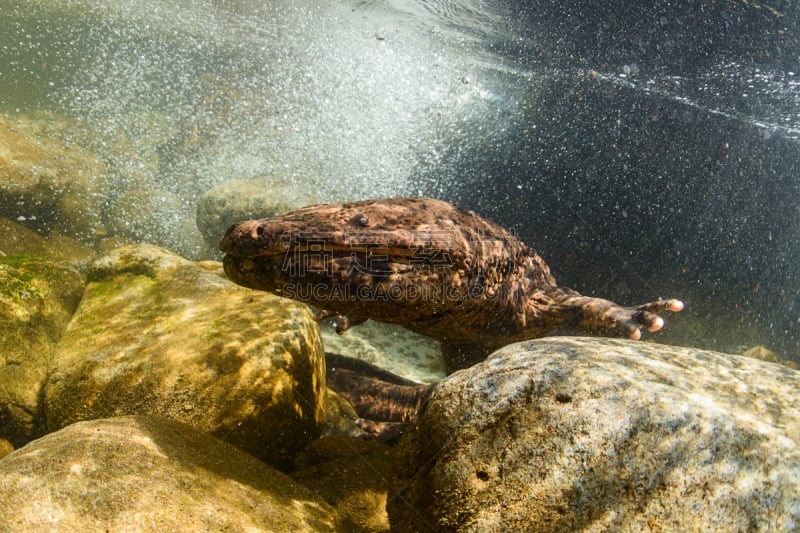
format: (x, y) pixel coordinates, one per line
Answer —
(142, 390)
(138, 368)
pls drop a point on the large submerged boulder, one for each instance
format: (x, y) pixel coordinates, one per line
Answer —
(157, 334)
(574, 434)
(150, 474)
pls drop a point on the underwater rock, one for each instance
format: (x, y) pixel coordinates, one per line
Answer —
(157, 334)
(139, 473)
(157, 217)
(237, 200)
(352, 475)
(37, 298)
(763, 353)
(16, 239)
(576, 434)
(48, 186)
(5, 448)
(340, 416)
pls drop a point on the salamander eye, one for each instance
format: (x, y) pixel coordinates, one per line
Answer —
(361, 220)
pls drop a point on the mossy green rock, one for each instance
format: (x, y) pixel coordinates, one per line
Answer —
(157, 334)
(37, 299)
(150, 474)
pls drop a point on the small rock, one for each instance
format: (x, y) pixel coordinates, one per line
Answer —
(5, 448)
(340, 417)
(16, 239)
(762, 353)
(237, 200)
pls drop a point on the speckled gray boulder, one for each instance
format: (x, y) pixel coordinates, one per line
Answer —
(157, 334)
(150, 474)
(576, 434)
(236, 200)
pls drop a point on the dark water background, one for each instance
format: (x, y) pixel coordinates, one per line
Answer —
(644, 149)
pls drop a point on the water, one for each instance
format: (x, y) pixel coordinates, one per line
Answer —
(343, 95)
(643, 150)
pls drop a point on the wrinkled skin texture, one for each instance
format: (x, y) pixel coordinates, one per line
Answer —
(385, 402)
(432, 267)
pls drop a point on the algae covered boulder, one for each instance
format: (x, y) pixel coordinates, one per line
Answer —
(37, 298)
(157, 334)
(573, 434)
(139, 473)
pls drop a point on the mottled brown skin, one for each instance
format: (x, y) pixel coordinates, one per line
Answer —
(432, 267)
(385, 402)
